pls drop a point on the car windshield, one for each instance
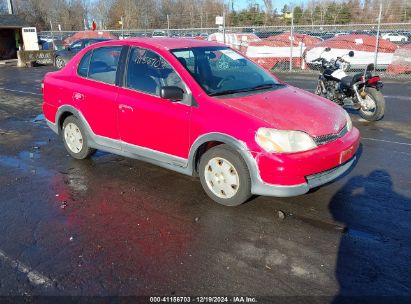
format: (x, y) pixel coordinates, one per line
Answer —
(222, 71)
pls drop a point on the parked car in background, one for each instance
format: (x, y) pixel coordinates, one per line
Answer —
(238, 41)
(266, 34)
(406, 34)
(395, 37)
(363, 45)
(158, 33)
(88, 35)
(203, 36)
(50, 44)
(275, 51)
(321, 36)
(61, 57)
(202, 109)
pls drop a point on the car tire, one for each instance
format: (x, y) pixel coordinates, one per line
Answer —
(379, 103)
(224, 176)
(75, 139)
(59, 62)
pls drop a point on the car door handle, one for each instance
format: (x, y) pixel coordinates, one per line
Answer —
(123, 108)
(78, 96)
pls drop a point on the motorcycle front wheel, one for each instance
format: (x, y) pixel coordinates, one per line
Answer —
(373, 105)
(319, 91)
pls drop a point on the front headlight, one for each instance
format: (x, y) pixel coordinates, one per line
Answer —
(349, 121)
(282, 141)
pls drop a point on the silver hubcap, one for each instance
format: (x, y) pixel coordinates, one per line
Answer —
(221, 177)
(59, 63)
(73, 137)
(368, 105)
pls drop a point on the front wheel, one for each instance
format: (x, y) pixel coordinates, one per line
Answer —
(60, 62)
(224, 176)
(373, 105)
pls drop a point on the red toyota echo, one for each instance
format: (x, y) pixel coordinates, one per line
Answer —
(202, 109)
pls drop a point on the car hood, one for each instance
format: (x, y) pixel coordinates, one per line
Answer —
(289, 108)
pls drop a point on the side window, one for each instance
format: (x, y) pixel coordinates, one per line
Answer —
(103, 64)
(88, 42)
(187, 59)
(148, 72)
(76, 46)
(84, 64)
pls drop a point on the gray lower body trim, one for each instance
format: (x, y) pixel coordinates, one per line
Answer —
(119, 147)
(53, 126)
(313, 181)
(186, 166)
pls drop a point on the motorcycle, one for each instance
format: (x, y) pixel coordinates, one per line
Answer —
(361, 91)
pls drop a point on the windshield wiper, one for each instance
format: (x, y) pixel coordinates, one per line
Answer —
(256, 88)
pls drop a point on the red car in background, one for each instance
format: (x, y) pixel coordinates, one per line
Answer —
(172, 102)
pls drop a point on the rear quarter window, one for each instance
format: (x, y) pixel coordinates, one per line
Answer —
(84, 64)
(101, 64)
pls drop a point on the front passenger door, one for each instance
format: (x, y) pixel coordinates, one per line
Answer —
(150, 125)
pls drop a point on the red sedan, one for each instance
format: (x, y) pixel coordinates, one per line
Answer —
(202, 109)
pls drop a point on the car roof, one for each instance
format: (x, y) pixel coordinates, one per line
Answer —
(168, 43)
(96, 39)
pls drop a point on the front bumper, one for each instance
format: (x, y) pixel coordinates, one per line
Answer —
(296, 174)
(313, 181)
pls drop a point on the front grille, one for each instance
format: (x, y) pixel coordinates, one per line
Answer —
(324, 139)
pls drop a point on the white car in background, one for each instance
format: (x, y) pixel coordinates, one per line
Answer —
(362, 45)
(394, 37)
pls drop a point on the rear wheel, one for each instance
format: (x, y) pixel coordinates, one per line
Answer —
(224, 176)
(373, 105)
(75, 139)
(318, 90)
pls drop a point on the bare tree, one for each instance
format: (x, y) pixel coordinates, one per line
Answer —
(268, 10)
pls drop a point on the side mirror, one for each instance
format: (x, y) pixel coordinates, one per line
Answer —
(351, 53)
(172, 93)
(327, 49)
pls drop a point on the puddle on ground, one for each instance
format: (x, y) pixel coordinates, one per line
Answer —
(38, 118)
(26, 162)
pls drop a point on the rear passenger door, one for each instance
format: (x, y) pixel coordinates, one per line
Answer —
(95, 91)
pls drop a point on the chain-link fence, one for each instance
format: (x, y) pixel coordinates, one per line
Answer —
(291, 48)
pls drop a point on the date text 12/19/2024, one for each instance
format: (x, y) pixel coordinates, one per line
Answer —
(175, 299)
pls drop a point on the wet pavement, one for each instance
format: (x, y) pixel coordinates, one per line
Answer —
(120, 227)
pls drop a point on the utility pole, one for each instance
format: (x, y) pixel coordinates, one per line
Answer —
(122, 28)
(292, 39)
(52, 35)
(10, 7)
(168, 25)
(377, 42)
(224, 25)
